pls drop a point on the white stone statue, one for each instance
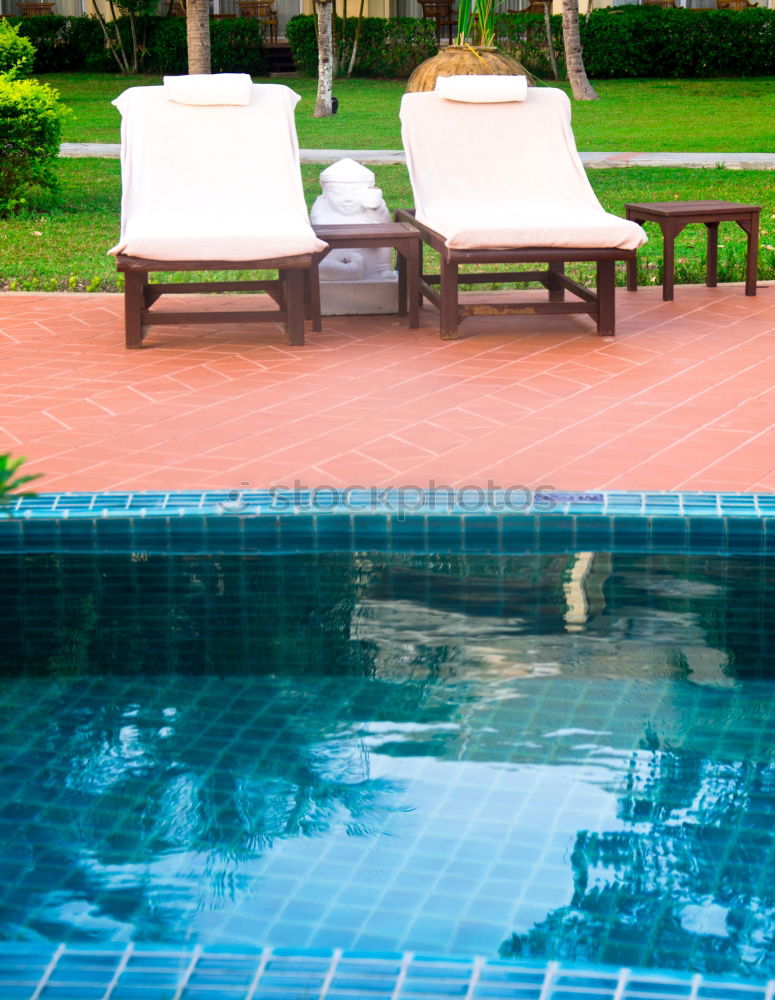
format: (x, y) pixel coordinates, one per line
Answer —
(349, 196)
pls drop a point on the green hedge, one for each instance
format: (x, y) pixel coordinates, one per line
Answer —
(636, 41)
(387, 47)
(30, 132)
(17, 54)
(67, 44)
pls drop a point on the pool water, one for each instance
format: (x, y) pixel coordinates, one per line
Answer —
(557, 757)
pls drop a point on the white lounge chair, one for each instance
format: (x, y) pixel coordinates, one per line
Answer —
(497, 179)
(211, 181)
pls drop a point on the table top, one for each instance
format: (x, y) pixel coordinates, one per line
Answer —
(672, 208)
(366, 230)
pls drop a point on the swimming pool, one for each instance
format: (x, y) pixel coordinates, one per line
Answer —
(526, 755)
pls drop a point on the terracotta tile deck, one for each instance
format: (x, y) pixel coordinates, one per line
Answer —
(682, 399)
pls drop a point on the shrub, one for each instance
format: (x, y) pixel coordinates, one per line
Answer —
(63, 44)
(523, 36)
(30, 131)
(637, 41)
(237, 46)
(387, 47)
(17, 54)
(66, 44)
(654, 42)
(167, 51)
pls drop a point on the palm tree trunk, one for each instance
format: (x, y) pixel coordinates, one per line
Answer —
(198, 35)
(580, 86)
(323, 104)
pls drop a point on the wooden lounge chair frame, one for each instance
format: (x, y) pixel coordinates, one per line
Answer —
(287, 291)
(599, 304)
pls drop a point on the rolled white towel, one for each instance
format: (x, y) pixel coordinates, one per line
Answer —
(203, 88)
(482, 89)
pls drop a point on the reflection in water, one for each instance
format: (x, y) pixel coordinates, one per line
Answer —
(550, 756)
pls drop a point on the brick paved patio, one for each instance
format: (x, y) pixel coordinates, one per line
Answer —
(682, 399)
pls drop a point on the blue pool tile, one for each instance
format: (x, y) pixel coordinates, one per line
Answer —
(11, 534)
(556, 533)
(150, 502)
(74, 502)
(223, 533)
(668, 534)
(737, 503)
(661, 503)
(295, 532)
(445, 532)
(333, 532)
(481, 533)
(706, 534)
(630, 534)
(41, 536)
(369, 532)
(744, 534)
(519, 533)
(112, 534)
(700, 503)
(594, 534)
(624, 503)
(260, 533)
(407, 533)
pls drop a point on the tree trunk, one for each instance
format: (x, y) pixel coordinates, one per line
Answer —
(580, 86)
(550, 40)
(323, 104)
(198, 35)
(354, 53)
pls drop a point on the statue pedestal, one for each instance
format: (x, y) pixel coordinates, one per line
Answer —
(359, 298)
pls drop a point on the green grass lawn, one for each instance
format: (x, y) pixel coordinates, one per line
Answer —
(632, 115)
(66, 246)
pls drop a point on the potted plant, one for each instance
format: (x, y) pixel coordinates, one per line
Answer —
(474, 52)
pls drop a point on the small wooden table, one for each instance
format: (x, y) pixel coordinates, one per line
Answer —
(673, 216)
(401, 236)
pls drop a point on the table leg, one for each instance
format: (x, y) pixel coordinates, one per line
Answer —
(413, 259)
(401, 268)
(711, 275)
(632, 264)
(670, 230)
(751, 227)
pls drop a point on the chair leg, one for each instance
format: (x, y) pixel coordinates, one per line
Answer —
(448, 292)
(135, 283)
(556, 290)
(293, 293)
(606, 298)
(312, 296)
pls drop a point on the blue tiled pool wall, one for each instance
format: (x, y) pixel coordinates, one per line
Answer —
(134, 973)
(100, 613)
(385, 521)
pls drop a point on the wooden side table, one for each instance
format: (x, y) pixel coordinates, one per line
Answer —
(673, 216)
(401, 236)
